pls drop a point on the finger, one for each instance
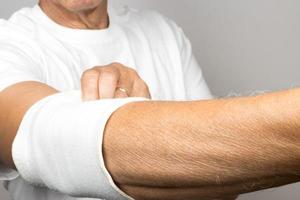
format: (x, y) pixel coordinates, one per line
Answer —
(120, 94)
(125, 83)
(108, 81)
(140, 89)
(89, 85)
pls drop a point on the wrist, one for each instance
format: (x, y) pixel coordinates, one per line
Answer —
(281, 115)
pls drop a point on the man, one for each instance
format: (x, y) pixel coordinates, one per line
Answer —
(128, 148)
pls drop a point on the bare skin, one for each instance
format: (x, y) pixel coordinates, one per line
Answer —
(77, 14)
(104, 82)
(212, 149)
(205, 149)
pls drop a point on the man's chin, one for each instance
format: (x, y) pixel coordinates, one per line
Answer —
(81, 5)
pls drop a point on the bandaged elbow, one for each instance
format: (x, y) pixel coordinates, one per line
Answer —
(59, 145)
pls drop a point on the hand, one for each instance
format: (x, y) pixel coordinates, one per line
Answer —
(112, 81)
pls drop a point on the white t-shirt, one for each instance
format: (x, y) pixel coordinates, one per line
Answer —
(33, 47)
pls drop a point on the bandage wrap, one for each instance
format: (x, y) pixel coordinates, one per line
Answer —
(59, 145)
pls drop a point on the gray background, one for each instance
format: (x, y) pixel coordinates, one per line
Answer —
(242, 46)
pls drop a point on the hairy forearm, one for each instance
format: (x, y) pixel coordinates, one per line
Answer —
(237, 145)
(186, 150)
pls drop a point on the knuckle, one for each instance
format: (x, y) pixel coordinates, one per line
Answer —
(134, 73)
(124, 69)
(109, 75)
(90, 74)
(116, 64)
(132, 70)
(121, 68)
(141, 85)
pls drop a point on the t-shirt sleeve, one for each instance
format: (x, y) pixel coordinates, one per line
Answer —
(17, 63)
(195, 85)
(15, 66)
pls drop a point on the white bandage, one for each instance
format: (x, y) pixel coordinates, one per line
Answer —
(59, 145)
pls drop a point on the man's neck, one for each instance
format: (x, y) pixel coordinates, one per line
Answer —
(96, 18)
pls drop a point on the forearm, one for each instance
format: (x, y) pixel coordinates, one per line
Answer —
(189, 149)
(252, 141)
(14, 102)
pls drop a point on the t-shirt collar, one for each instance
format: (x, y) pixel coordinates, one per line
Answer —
(77, 35)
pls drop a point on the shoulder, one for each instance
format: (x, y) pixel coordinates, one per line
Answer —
(152, 23)
(18, 34)
(155, 21)
(20, 26)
